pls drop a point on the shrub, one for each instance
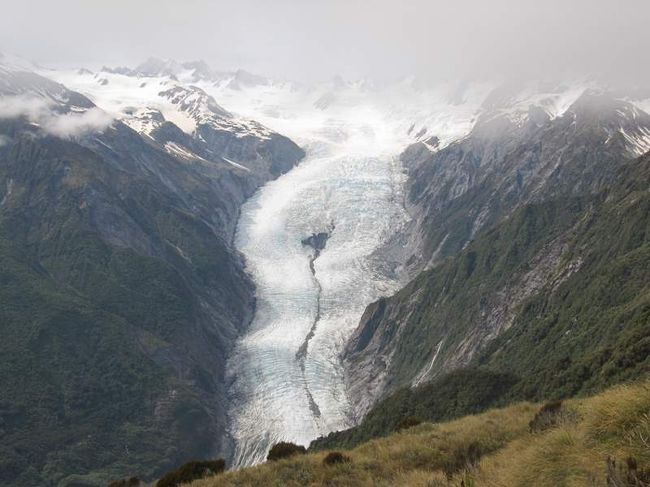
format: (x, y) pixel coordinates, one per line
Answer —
(462, 458)
(547, 417)
(335, 457)
(408, 422)
(285, 450)
(192, 471)
(132, 482)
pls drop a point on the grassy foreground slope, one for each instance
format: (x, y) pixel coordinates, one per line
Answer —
(567, 447)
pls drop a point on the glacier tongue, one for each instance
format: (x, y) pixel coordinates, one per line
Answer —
(286, 377)
(357, 200)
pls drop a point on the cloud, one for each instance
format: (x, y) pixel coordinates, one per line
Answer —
(23, 106)
(64, 125)
(77, 124)
(437, 39)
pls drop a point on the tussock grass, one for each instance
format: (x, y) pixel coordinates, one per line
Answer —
(613, 424)
(496, 448)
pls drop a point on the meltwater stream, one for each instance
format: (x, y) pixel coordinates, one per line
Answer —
(285, 373)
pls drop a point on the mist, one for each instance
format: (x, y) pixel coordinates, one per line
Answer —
(40, 111)
(314, 40)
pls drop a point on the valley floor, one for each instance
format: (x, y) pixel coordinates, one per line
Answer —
(598, 441)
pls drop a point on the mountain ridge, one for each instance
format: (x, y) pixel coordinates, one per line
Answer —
(121, 291)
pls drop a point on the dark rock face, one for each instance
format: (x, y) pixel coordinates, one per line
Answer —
(510, 190)
(474, 183)
(121, 293)
(317, 241)
(371, 319)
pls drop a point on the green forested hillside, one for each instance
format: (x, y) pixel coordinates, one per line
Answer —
(119, 298)
(87, 326)
(584, 326)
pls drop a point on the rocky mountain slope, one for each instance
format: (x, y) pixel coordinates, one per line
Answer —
(534, 234)
(121, 292)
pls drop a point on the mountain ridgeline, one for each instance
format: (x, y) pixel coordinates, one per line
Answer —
(120, 290)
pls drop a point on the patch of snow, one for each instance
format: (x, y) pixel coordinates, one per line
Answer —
(554, 100)
(8, 191)
(180, 151)
(233, 163)
(638, 143)
(420, 378)
(387, 111)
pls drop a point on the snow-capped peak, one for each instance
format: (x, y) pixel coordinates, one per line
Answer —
(156, 92)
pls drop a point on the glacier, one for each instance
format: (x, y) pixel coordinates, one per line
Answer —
(286, 378)
(356, 199)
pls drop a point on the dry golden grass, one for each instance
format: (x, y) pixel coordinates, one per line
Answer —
(613, 424)
(571, 453)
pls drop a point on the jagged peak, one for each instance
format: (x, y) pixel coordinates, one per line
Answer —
(243, 79)
(602, 103)
(156, 67)
(195, 101)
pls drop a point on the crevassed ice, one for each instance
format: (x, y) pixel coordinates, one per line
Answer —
(358, 200)
(350, 185)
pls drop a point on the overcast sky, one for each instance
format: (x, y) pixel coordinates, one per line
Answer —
(315, 39)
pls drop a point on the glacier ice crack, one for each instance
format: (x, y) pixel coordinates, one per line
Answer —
(317, 241)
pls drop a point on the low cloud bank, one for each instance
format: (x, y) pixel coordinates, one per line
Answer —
(77, 124)
(24, 106)
(40, 111)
